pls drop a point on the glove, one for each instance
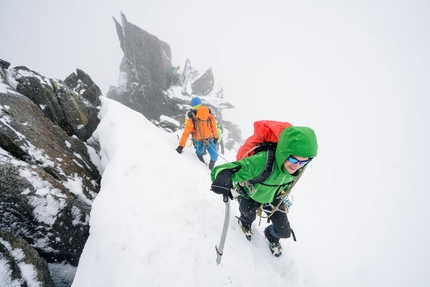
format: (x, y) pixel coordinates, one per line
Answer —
(179, 149)
(223, 183)
(215, 140)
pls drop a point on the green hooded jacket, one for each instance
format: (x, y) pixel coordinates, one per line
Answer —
(297, 141)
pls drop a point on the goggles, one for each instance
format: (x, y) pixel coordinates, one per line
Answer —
(294, 160)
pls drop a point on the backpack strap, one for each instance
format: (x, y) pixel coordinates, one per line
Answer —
(265, 146)
(268, 168)
(193, 118)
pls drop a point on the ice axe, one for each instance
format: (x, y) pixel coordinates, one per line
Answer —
(220, 249)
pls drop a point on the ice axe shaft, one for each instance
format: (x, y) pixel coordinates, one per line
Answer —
(220, 248)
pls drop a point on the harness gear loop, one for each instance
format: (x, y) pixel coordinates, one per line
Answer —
(281, 197)
(191, 142)
(259, 212)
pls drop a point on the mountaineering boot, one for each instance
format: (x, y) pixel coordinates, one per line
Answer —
(200, 157)
(274, 244)
(246, 229)
(211, 164)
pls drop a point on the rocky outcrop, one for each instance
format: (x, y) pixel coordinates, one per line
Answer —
(48, 176)
(72, 107)
(204, 85)
(146, 85)
(143, 71)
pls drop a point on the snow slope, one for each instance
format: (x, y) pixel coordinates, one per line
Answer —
(155, 221)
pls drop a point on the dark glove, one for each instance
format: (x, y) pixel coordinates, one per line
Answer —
(179, 149)
(215, 140)
(222, 184)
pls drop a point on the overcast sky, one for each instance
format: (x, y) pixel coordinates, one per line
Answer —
(332, 51)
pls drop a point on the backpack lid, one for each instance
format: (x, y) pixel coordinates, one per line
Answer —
(202, 113)
(264, 131)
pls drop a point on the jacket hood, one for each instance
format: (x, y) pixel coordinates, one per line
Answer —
(298, 141)
(202, 113)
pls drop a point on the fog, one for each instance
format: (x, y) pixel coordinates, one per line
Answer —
(356, 72)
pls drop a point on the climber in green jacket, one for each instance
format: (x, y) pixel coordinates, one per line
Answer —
(296, 147)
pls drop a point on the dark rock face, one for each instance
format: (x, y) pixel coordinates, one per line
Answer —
(146, 85)
(69, 109)
(204, 85)
(10, 246)
(47, 176)
(144, 71)
(83, 85)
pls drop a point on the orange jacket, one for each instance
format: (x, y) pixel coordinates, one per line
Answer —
(205, 129)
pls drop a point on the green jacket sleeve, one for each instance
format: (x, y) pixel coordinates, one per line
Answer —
(248, 168)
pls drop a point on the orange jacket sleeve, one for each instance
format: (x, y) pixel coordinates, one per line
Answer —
(189, 126)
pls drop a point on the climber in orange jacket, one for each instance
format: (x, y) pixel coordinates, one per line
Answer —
(203, 128)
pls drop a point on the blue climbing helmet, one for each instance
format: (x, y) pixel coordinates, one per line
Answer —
(195, 102)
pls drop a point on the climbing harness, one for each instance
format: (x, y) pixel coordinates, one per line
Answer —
(281, 197)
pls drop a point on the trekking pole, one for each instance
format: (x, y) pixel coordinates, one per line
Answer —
(220, 249)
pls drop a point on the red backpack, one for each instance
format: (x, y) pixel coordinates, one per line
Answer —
(266, 135)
